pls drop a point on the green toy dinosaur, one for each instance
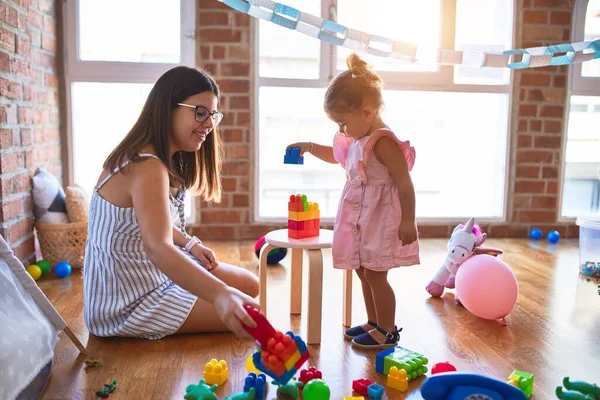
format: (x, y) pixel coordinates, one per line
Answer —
(582, 387)
(572, 395)
(108, 389)
(200, 391)
(290, 389)
(249, 395)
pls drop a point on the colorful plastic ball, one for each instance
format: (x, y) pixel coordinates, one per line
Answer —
(274, 257)
(535, 233)
(553, 236)
(44, 265)
(316, 389)
(62, 269)
(487, 287)
(35, 271)
(442, 367)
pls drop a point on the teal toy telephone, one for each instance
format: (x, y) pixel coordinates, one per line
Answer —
(461, 386)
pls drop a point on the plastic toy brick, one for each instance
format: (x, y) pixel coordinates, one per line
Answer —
(258, 383)
(280, 356)
(412, 362)
(354, 398)
(375, 391)
(397, 379)
(292, 156)
(216, 372)
(360, 386)
(304, 218)
(307, 375)
(523, 381)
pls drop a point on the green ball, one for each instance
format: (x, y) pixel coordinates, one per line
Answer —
(316, 389)
(44, 266)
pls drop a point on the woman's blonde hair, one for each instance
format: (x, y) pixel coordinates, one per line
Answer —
(354, 88)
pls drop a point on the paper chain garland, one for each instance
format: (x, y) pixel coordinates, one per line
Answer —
(336, 34)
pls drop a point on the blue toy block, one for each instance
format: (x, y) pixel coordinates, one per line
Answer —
(292, 156)
(259, 383)
(375, 391)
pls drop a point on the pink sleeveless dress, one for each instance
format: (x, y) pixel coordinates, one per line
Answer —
(369, 211)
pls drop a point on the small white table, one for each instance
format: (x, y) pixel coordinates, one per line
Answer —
(313, 247)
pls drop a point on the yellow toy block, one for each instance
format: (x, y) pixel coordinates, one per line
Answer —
(216, 372)
(397, 379)
(354, 398)
(303, 215)
(291, 362)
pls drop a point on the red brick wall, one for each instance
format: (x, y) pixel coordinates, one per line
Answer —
(29, 113)
(537, 126)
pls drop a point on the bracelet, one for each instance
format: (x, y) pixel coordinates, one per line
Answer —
(191, 243)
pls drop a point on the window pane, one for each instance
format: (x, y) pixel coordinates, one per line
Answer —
(483, 26)
(451, 179)
(286, 53)
(592, 32)
(581, 187)
(416, 22)
(102, 114)
(129, 31)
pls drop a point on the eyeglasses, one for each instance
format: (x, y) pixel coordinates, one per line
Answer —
(202, 113)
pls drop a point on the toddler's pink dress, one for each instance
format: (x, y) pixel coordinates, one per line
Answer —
(369, 212)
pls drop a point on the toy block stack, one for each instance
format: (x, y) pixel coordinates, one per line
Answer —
(304, 218)
(401, 366)
(292, 156)
(279, 356)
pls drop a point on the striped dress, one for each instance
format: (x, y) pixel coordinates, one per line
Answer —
(124, 293)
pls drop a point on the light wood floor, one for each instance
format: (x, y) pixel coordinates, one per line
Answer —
(553, 332)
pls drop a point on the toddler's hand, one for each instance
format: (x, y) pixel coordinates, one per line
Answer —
(407, 232)
(303, 146)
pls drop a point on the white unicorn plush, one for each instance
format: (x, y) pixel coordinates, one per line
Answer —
(463, 243)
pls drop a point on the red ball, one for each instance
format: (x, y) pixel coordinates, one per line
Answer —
(442, 367)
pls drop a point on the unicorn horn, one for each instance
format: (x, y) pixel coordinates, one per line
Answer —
(469, 226)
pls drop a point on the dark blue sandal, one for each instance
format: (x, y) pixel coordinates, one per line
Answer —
(353, 332)
(366, 341)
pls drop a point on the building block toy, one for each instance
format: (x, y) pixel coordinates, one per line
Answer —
(279, 356)
(578, 390)
(258, 383)
(304, 218)
(360, 386)
(290, 389)
(292, 156)
(415, 364)
(460, 386)
(307, 375)
(442, 367)
(354, 398)
(523, 381)
(396, 379)
(375, 391)
(201, 391)
(216, 372)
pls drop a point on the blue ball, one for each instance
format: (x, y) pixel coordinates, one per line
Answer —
(535, 233)
(62, 269)
(553, 236)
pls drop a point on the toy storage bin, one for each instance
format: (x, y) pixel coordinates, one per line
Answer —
(589, 246)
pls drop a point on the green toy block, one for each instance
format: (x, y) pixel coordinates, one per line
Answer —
(415, 364)
(523, 381)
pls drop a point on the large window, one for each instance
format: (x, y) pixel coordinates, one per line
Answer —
(110, 69)
(581, 177)
(456, 117)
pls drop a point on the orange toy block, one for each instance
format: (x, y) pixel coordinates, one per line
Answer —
(280, 349)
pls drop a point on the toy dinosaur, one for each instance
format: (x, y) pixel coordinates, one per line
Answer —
(289, 390)
(201, 391)
(249, 395)
(572, 395)
(578, 390)
(108, 389)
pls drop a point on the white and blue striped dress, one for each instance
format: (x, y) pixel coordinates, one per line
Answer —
(124, 293)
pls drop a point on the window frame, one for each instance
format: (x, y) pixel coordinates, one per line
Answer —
(77, 70)
(442, 80)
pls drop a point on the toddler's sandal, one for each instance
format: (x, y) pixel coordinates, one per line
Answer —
(367, 342)
(355, 331)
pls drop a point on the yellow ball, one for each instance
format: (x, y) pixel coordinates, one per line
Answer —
(35, 271)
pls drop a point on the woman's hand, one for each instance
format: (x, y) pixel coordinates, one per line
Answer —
(230, 308)
(206, 256)
(407, 232)
(303, 146)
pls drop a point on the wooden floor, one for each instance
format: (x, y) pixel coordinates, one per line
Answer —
(553, 332)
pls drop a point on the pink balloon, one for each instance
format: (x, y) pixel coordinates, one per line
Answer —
(487, 287)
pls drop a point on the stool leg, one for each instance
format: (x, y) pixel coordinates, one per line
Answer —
(262, 276)
(315, 295)
(296, 282)
(347, 300)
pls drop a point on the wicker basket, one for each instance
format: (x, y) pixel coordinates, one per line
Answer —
(63, 242)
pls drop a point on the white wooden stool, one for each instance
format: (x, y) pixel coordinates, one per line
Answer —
(313, 247)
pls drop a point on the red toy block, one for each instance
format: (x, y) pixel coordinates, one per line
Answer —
(307, 375)
(295, 204)
(361, 386)
(263, 331)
